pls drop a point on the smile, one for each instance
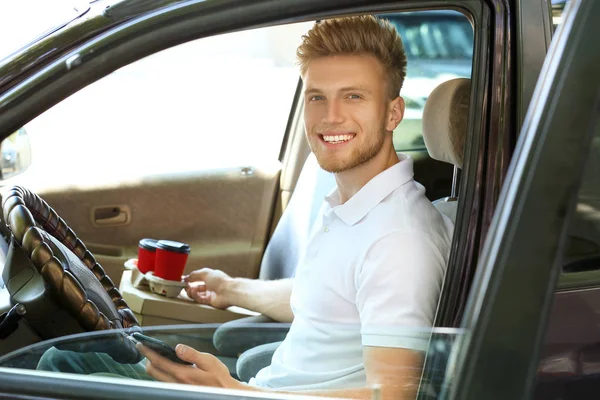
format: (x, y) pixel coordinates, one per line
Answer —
(336, 139)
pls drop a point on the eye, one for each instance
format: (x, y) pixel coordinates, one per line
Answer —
(315, 98)
(354, 96)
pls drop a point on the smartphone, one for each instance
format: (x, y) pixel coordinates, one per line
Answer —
(158, 346)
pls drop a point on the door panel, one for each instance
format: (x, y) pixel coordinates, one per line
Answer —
(223, 215)
(570, 360)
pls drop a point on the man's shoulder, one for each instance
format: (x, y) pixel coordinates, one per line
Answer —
(407, 209)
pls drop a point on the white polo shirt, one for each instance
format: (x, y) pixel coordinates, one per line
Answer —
(371, 276)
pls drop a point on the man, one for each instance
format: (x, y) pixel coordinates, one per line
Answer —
(371, 274)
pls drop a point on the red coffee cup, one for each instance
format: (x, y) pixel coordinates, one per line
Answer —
(170, 259)
(146, 255)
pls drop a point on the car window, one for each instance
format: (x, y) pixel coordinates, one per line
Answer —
(104, 347)
(203, 105)
(582, 252)
(217, 102)
(439, 47)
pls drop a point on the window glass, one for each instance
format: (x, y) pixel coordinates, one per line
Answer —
(82, 353)
(583, 238)
(217, 102)
(208, 103)
(439, 47)
(582, 252)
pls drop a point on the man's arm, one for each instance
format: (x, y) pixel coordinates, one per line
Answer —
(396, 371)
(217, 289)
(270, 298)
(393, 372)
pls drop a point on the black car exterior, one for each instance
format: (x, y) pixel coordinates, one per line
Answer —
(505, 261)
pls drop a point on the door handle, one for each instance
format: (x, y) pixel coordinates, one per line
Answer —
(116, 215)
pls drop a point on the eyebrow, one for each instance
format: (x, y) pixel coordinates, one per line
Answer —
(312, 91)
(344, 89)
(354, 89)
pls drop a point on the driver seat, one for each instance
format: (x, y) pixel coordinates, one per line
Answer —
(445, 119)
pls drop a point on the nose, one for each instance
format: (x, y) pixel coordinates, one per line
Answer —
(334, 113)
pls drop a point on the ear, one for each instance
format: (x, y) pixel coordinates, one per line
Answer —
(395, 113)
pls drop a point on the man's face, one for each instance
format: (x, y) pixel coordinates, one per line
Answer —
(346, 110)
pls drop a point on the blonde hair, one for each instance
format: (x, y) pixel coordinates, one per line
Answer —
(363, 34)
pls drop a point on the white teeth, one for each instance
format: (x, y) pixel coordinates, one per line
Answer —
(337, 138)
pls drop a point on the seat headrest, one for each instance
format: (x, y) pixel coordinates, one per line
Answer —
(445, 119)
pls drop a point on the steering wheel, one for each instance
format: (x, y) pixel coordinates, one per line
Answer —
(64, 290)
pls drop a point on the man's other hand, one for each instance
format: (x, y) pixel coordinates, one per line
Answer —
(208, 286)
(207, 370)
(215, 288)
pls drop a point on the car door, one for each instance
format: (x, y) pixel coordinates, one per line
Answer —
(528, 239)
(509, 304)
(538, 228)
(570, 354)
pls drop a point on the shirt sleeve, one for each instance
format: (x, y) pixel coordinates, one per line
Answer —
(398, 287)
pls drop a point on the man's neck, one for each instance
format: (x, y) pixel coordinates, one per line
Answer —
(349, 182)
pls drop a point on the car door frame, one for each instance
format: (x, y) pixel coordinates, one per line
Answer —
(156, 31)
(520, 264)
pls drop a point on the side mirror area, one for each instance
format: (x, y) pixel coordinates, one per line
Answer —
(15, 154)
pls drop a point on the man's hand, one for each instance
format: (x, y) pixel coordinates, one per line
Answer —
(206, 371)
(395, 371)
(215, 288)
(207, 286)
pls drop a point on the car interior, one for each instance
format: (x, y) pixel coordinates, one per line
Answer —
(249, 221)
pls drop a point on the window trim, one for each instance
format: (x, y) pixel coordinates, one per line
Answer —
(38, 384)
(533, 40)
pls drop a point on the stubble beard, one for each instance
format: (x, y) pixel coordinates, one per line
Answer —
(359, 155)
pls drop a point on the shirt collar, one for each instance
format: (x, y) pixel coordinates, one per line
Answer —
(373, 193)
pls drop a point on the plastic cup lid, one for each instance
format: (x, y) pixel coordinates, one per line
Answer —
(148, 244)
(176, 247)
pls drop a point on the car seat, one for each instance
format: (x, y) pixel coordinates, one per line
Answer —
(254, 339)
(445, 118)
